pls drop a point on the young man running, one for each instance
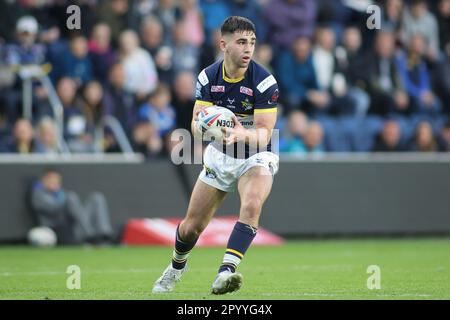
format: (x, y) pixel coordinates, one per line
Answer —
(244, 87)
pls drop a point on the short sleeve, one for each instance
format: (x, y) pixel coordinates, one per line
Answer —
(267, 93)
(203, 92)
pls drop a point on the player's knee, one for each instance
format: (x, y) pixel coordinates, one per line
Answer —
(191, 230)
(252, 205)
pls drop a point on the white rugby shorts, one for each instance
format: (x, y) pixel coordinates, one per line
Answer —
(223, 172)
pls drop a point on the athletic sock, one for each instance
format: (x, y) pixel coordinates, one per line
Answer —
(238, 243)
(181, 251)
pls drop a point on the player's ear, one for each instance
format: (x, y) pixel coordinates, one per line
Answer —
(222, 44)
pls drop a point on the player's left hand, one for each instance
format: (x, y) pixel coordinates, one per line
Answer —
(235, 134)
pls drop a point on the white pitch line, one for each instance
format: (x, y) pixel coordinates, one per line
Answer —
(62, 272)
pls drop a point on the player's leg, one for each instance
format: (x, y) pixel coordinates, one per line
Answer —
(254, 187)
(203, 204)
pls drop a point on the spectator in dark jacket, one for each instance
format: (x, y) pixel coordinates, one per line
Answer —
(382, 77)
(22, 141)
(73, 221)
(389, 139)
(289, 19)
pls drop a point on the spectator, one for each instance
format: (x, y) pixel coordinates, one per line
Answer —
(115, 14)
(349, 60)
(47, 137)
(73, 221)
(289, 19)
(140, 73)
(389, 139)
(392, 16)
(293, 141)
(211, 51)
(192, 18)
(118, 102)
(424, 140)
(184, 98)
(101, 53)
(329, 77)
(264, 56)
(76, 132)
(168, 13)
(444, 138)
(214, 12)
(417, 19)
(297, 77)
(253, 10)
(313, 140)
(91, 105)
(147, 141)
(25, 51)
(76, 62)
(415, 76)
(382, 77)
(160, 113)
(22, 141)
(443, 16)
(185, 56)
(151, 32)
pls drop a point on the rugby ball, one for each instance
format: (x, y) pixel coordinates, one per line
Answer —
(212, 120)
(42, 237)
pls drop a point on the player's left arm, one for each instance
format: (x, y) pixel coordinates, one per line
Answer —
(258, 137)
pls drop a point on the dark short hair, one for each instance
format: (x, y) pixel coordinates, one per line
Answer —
(237, 24)
(49, 170)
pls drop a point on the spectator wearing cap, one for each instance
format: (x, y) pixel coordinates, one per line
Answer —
(26, 50)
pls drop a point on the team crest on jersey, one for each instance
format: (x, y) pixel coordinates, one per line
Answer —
(246, 91)
(217, 88)
(246, 104)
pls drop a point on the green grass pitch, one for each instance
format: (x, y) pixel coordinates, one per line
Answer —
(303, 269)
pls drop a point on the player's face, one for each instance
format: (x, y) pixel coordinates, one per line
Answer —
(239, 47)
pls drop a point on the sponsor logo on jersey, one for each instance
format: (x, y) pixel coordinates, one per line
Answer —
(217, 88)
(246, 91)
(274, 98)
(203, 78)
(266, 83)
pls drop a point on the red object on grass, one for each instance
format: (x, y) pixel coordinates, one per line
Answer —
(161, 231)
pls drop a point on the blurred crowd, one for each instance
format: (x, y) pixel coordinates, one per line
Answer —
(343, 86)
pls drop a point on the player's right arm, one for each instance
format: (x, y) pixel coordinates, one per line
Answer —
(203, 100)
